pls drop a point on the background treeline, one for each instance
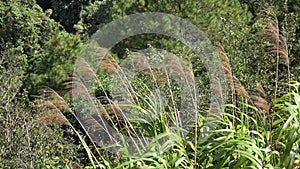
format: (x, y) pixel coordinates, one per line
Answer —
(41, 39)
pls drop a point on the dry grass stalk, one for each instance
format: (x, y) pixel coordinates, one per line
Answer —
(239, 88)
(84, 69)
(78, 89)
(180, 69)
(103, 111)
(108, 64)
(57, 118)
(227, 68)
(236, 86)
(75, 87)
(54, 99)
(277, 43)
(55, 103)
(228, 74)
(92, 125)
(49, 105)
(111, 109)
(261, 90)
(261, 102)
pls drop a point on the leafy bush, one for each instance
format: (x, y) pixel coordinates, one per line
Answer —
(21, 136)
(59, 54)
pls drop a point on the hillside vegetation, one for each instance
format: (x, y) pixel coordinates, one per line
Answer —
(144, 116)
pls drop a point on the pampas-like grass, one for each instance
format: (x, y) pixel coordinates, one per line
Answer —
(277, 43)
(261, 102)
(56, 118)
(54, 102)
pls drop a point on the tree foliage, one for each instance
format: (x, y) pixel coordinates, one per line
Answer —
(47, 50)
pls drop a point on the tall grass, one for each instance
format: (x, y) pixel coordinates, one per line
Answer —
(141, 117)
(257, 135)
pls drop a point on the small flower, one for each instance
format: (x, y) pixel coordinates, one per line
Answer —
(138, 163)
(47, 147)
(297, 162)
(40, 152)
(60, 146)
(67, 160)
(160, 161)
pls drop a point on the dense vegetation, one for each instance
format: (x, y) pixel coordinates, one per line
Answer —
(258, 43)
